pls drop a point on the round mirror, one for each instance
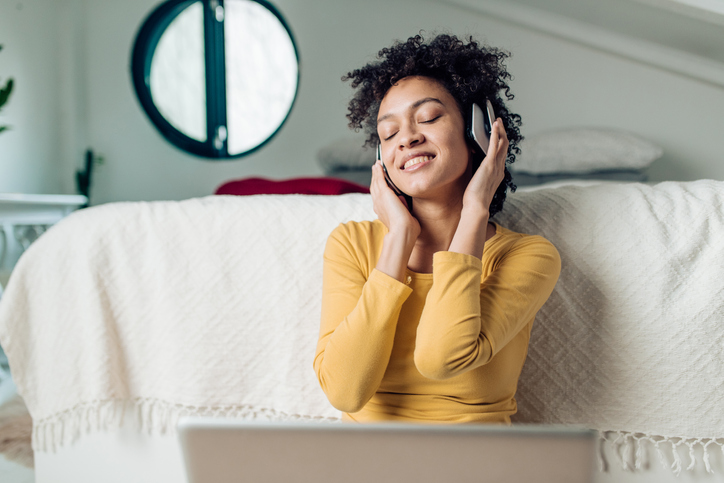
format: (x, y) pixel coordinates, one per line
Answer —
(216, 77)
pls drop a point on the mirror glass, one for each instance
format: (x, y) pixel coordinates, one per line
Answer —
(178, 74)
(256, 105)
(218, 78)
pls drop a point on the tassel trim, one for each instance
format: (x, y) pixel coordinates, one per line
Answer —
(153, 416)
(631, 451)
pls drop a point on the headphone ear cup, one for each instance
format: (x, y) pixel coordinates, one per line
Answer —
(469, 128)
(469, 136)
(477, 152)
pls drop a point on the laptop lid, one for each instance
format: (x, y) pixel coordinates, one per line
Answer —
(224, 450)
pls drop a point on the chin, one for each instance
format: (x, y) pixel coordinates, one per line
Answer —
(448, 190)
(425, 188)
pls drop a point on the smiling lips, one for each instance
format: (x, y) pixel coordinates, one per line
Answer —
(417, 160)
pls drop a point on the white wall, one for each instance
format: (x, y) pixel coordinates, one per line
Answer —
(29, 159)
(556, 84)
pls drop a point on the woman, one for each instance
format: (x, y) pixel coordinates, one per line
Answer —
(426, 313)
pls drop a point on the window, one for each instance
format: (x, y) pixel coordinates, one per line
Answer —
(218, 78)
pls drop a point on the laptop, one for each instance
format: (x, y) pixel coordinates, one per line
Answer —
(227, 450)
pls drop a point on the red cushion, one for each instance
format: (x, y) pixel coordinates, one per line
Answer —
(304, 186)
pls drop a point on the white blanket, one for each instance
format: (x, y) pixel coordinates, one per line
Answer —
(210, 306)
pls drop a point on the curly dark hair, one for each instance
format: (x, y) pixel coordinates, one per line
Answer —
(469, 71)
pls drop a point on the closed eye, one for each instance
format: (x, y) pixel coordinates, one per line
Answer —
(429, 121)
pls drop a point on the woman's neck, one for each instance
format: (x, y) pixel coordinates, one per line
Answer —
(438, 223)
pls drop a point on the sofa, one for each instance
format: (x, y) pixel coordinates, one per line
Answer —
(125, 317)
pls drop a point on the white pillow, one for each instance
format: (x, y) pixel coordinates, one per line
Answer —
(585, 150)
(346, 154)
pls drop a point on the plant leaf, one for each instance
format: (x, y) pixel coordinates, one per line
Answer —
(4, 128)
(5, 92)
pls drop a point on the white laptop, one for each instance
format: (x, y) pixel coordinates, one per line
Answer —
(227, 450)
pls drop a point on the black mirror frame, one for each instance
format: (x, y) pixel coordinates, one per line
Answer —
(144, 47)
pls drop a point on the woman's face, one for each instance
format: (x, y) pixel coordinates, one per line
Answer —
(422, 138)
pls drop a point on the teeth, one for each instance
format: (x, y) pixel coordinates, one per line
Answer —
(417, 160)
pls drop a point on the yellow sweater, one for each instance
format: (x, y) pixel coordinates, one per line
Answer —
(446, 346)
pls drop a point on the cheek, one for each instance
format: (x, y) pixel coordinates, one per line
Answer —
(461, 152)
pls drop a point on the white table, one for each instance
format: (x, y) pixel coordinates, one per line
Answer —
(23, 218)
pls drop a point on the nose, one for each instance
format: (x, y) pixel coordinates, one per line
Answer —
(410, 136)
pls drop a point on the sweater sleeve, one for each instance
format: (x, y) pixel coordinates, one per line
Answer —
(359, 319)
(466, 322)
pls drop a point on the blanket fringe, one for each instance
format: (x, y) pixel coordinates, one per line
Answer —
(630, 450)
(153, 416)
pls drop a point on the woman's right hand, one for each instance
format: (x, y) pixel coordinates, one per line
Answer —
(402, 228)
(390, 208)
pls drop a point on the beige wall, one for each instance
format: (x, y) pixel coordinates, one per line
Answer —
(74, 90)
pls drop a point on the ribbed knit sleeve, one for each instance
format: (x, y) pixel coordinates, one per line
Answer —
(465, 322)
(359, 319)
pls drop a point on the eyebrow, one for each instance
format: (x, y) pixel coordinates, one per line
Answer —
(414, 106)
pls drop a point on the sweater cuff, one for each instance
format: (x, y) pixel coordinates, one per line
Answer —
(457, 259)
(390, 284)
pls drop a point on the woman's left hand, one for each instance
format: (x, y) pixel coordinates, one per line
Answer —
(491, 172)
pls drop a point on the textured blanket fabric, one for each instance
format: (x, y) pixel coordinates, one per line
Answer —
(211, 306)
(633, 336)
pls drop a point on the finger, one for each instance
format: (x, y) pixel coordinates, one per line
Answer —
(378, 176)
(504, 149)
(503, 137)
(503, 133)
(494, 140)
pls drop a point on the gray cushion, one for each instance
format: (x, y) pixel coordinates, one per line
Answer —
(585, 150)
(346, 154)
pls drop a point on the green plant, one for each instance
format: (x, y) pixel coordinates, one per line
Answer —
(5, 95)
